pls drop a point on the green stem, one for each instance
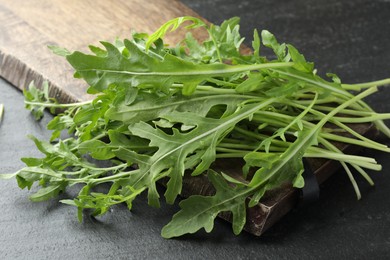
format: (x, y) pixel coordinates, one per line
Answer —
(292, 151)
(351, 159)
(47, 172)
(347, 170)
(229, 150)
(113, 177)
(379, 123)
(106, 169)
(1, 111)
(348, 140)
(359, 86)
(363, 173)
(211, 72)
(236, 145)
(210, 89)
(224, 83)
(365, 142)
(345, 111)
(305, 78)
(97, 137)
(372, 118)
(54, 105)
(231, 155)
(340, 92)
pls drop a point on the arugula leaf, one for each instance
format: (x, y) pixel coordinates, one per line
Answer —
(172, 25)
(34, 97)
(256, 44)
(299, 60)
(161, 111)
(150, 106)
(48, 192)
(145, 71)
(174, 149)
(59, 50)
(200, 211)
(270, 41)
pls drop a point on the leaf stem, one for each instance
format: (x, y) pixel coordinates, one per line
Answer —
(113, 177)
(359, 86)
(56, 105)
(1, 112)
(231, 155)
(210, 89)
(361, 171)
(227, 70)
(365, 142)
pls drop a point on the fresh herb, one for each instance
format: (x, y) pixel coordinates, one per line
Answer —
(1, 112)
(161, 112)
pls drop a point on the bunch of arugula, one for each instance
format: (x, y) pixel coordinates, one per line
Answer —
(161, 112)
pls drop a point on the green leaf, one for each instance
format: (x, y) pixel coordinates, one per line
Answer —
(97, 51)
(197, 51)
(146, 71)
(59, 123)
(231, 179)
(174, 149)
(254, 82)
(171, 26)
(299, 181)
(260, 159)
(36, 99)
(256, 44)
(97, 149)
(256, 198)
(284, 90)
(151, 106)
(138, 70)
(48, 192)
(288, 165)
(26, 178)
(223, 44)
(31, 162)
(59, 50)
(299, 60)
(200, 211)
(69, 202)
(334, 78)
(60, 150)
(270, 41)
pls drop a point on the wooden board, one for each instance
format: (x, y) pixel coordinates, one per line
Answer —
(27, 27)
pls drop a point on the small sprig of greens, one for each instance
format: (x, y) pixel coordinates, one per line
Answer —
(164, 111)
(1, 112)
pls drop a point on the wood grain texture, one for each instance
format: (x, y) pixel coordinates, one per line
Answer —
(27, 27)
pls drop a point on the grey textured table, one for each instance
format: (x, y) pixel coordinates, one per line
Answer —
(351, 39)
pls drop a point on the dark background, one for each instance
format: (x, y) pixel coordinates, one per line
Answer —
(349, 38)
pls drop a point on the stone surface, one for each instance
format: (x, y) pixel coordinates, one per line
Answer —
(352, 41)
